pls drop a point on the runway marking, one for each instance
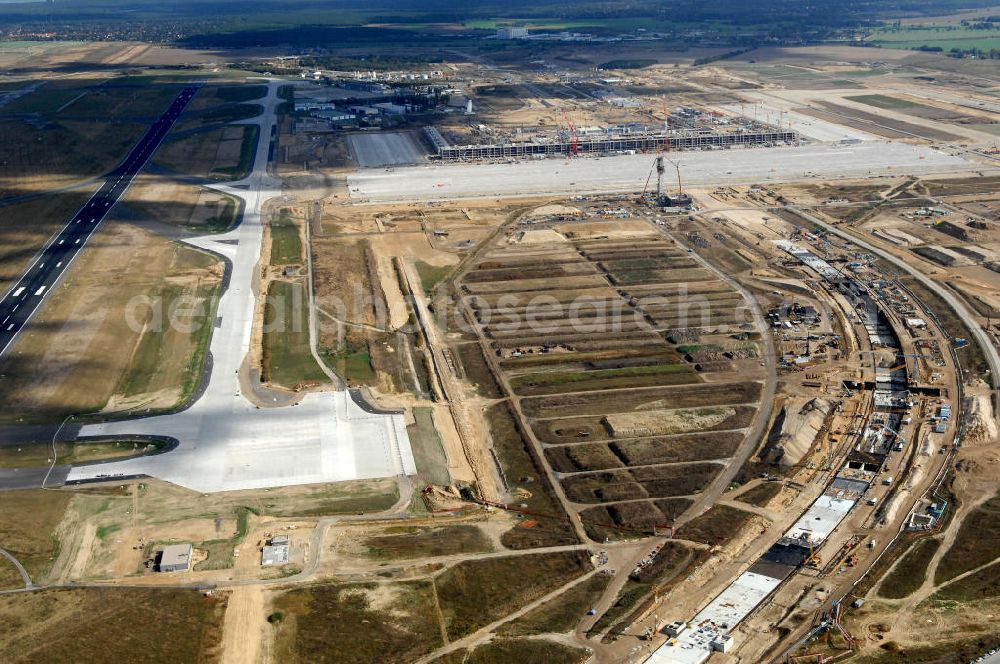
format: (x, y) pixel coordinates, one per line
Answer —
(19, 291)
(40, 291)
(10, 327)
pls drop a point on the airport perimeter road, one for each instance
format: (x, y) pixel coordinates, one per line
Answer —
(26, 296)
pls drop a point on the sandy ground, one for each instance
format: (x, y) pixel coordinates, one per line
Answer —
(246, 632)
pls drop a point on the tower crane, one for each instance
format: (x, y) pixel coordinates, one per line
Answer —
(574, 139)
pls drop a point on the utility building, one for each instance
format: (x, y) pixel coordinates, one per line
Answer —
(175, 558)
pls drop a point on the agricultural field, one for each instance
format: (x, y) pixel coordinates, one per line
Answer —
(944, 37)
(629, 360)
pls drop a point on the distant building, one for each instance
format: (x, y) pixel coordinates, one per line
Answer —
(276, 551)
(387, 108)
(175, 558)
(274, 555)
(512, 33)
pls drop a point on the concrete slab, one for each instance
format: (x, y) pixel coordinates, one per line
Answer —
(373, 150)
(809, 127)
(628, 173)
(225, 442)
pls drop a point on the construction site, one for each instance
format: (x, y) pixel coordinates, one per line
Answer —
(623, 139)
(570, 374)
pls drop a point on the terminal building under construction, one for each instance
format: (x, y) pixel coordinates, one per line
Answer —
(608, 142)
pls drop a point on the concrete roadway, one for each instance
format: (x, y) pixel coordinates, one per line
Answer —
(25, 297)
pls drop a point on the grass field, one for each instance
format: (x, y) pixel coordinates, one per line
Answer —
(628, 598)
(96, 625)
(356, 623)
(475, 593)
(45, 155)
(352, 362)
(220, 551)
(909, 572)
(585, 381)
(975, 543)
(946, 652)
(524, 470)
(240, 93)
(404, 542)
(635, 483)
(166, 338)
(761, 494)
(560, 614)
(716, 526)
(230, 113)
(632, 519)
(34, 455)
(428, 450)
(286, 245)
(988, 128)
(248, 149)
(984, 584)
(28, 520)
(883, 101)
(44, 100)
(117, 102)
(945, 37)
(287, 359)
(505, 651)
(430, 275)
(619, 401)
(10, 578)
(337, 498)
(477, 371)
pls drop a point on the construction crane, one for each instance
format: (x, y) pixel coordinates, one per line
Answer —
(677, 167)
(574, 140)
(645, 187)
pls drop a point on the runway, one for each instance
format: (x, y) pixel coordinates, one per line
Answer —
(25, 297)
